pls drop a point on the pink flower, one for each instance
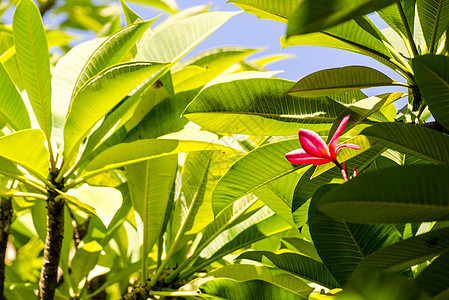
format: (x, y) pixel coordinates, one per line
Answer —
(315, 151)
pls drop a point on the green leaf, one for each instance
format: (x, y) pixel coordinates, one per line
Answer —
(409, 252)
(105, 200)
(361, 110)
(423, 196)
(235, 214)
(33, 59)
(434, 19)
(12, 108)
(111, 52)
(432, 279)
(279, 11)
(392, 16)
(163, 118)
(246, 273)
(341, 245)
(381, 286)
(130, 15)
(183, 14)
(150, 185)
(262, 108)
(98, 96)
(167, 5)
(113, 129)
(432, 77)
(339, 80)
(133, 152)
(418, 141)
(359, 35)
(316, 15)
(233, 290)
(294, 263)
(202, 68)
(238, 182)
(171, 43)
(263, 224)
(16, 148)
(9, 169)
(64, 78)
(278, 195)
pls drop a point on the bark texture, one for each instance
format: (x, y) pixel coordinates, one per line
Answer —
(6, 214)
(52, 252)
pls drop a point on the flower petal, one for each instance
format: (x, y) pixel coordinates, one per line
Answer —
(352, 146)
(313, 144)
(334, 141)
(300, 157)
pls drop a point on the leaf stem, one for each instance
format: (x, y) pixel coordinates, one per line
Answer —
(407, 30)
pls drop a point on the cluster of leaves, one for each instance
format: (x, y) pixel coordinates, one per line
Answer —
(92, 176)
(141, 175)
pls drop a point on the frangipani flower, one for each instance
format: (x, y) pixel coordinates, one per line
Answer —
(315, 151)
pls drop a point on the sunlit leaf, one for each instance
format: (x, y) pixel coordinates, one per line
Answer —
(106, 201)
(237, 183)
(170, 44)
(98, 96)
(16, 148)
(111, 52)
(128, 153)
(130, 15)
(279, 11)
(294, 263)
(33, 59)
(262, 109)
(64, 78)
(339, 80)
(246, 273)
(167, 5)
(150, 185)
(263, 224)
(233, 290)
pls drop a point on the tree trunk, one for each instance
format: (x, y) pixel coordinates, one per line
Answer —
(6, 214)
(52, 252)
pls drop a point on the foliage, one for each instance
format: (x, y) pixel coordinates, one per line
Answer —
(140, 174)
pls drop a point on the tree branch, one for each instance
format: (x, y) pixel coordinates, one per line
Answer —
(6, 214)
(53, 245)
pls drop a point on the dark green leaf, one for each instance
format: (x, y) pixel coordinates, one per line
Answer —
(418, 141)
(316, 15)
(422, 196)
(432, 77)
(343, 246)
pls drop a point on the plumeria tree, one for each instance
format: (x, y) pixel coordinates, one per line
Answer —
(128, 171)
